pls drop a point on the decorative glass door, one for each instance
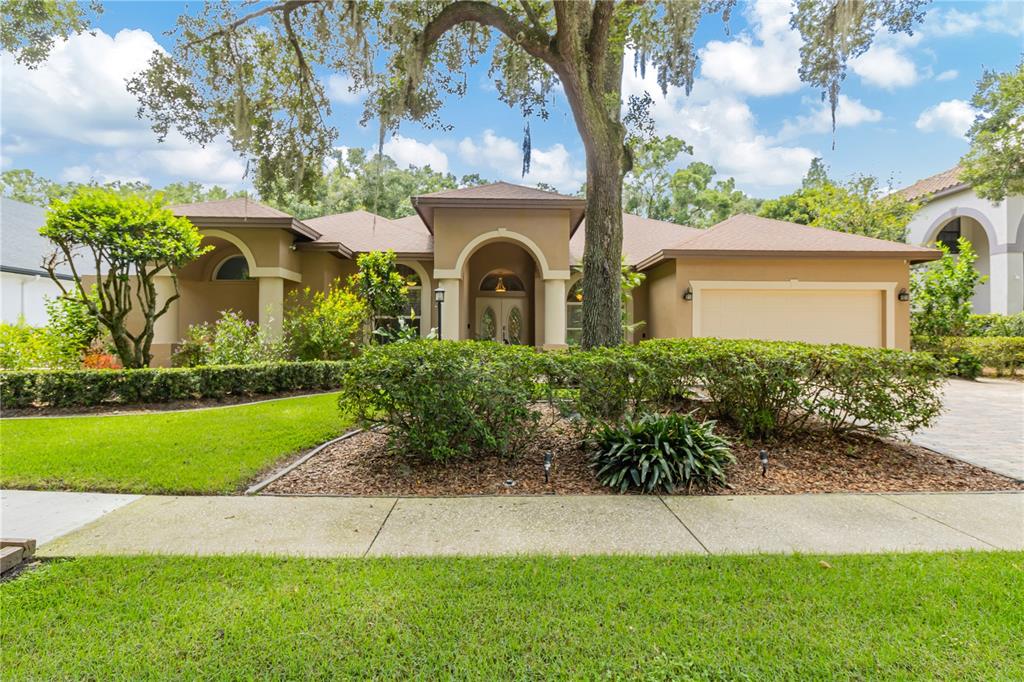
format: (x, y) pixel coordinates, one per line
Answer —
(514, 324)
(501, 319)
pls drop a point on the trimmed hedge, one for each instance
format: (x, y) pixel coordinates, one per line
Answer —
(965, 356)
(87, 388)
(766, 388)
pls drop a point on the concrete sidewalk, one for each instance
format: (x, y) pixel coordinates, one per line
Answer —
(335, 526)
(44, 515)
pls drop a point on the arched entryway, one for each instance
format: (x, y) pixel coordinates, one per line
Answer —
(502, 279)
(948, 232)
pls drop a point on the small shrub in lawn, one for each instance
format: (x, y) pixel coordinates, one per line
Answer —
(446, 399)
(660, 452)
(965, 356)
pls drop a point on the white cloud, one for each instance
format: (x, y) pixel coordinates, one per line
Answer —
(723, 132)
(993, 17)
(765, 62)
(953, 116)
(79, 97)
(885, 66)
(850, 113)
(949, 75)
(407, 151)
(504, 156)
(339, 89)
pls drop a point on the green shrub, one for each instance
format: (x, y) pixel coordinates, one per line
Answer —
(86, 388)
(447, 399)
(996, 324)
(324, 326)
(766, 388)
(231, 340)
(965, 356)
(660, 452)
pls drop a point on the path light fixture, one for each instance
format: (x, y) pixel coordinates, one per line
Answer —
(547, 465)
(764, 463)
(904, 295)
(439, 297)
(688, 294)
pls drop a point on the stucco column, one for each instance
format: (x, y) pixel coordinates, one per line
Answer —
(271, 305)
(1006, 282)
(554, 313)
(166, 330)
(451, 318)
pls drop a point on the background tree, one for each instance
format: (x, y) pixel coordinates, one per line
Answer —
(24, 185)
(698, 203)
(859, 206)
(253, 72)
(129, 240)
(994, 166)
(941, 293)
(645, 189)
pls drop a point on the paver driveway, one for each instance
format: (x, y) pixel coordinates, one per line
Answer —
(982, 423)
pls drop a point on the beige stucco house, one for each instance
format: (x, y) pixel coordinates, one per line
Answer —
(505, 257)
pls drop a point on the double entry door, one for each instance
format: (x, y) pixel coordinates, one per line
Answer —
(501, 319)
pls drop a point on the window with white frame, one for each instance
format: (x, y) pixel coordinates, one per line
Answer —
(574, 314)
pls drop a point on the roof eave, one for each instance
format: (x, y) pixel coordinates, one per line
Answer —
(914, 256)
(333, 247)
(296, 227)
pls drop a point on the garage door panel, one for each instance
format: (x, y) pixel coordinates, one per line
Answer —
(854, 316)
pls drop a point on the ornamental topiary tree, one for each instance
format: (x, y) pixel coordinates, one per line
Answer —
(255, 72)
(129, 241)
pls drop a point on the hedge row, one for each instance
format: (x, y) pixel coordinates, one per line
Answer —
(448, 399)
(86, 388)
(966, 355)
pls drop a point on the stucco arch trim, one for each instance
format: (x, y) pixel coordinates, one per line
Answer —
(498, 235)
(254, 269)
(990, 231)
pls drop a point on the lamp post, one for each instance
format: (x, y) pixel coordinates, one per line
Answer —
(439, 297)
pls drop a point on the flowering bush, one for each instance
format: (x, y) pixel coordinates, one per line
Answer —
(324, 325)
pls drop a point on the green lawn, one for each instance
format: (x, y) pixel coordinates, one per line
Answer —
(201, 451)
(931, 616)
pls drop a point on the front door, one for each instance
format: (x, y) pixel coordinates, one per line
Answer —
(501, 319)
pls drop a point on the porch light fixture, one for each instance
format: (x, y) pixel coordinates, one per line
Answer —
(439, 297)
(688, 294)
(904, 295)
(500, 286)
(579, 295)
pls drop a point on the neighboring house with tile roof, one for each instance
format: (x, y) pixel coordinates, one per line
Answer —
(24, 283)
(507, 260)
(996, 231)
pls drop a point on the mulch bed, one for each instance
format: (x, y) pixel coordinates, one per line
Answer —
(815, 463)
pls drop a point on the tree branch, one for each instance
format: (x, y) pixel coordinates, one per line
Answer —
(534, 40)
(289, 6)
(597, 42)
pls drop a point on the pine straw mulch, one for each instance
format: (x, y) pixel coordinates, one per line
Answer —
(813, 463)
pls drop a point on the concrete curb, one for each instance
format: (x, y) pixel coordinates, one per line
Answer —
(256, 487)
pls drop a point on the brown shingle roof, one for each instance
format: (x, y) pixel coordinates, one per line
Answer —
(499, 195)
(641, 238)
(238, 211)
(941, 183)
(362, 231)
(749, 235)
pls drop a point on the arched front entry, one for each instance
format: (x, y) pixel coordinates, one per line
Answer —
(502, 293)
(947, 230)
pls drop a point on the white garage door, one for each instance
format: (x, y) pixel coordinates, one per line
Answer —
(855, 316)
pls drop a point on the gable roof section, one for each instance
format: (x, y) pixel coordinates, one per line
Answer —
(946, 182)
(747, 235)
(362, 231)
(242, 212)
(22, 248)
(641, 238)
(499, 195)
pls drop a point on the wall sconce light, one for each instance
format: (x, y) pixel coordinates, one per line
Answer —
(688, 294)
(904, 295)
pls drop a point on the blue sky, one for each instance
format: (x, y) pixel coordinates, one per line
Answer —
(904, 110)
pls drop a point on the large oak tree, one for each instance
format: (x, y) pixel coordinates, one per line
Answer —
(256, 72)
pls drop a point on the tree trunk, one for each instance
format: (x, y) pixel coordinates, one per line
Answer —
(602, 255)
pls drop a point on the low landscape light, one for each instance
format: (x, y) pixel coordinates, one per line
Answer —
(548, 456)
(764, 463)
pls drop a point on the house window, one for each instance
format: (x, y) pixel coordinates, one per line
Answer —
(412, 309)
(949, 235)
(232, 268)
(574, 314)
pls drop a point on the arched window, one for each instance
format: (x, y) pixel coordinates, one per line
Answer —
(411, 311)
(501, 281)
(232, 268)
(574, 313)
(949, 234)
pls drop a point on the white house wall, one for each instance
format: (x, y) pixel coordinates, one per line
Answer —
(25, 295)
